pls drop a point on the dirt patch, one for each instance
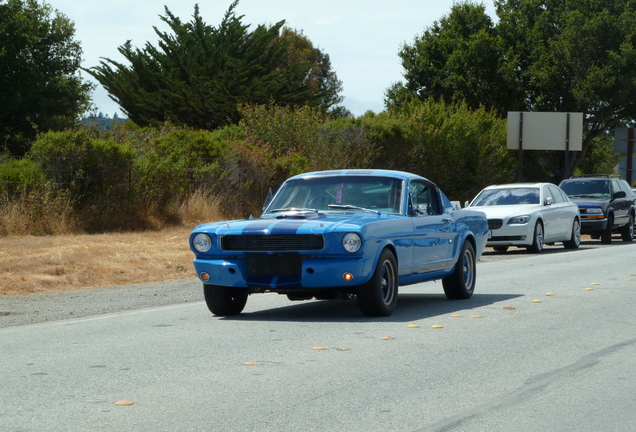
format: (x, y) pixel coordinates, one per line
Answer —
(31, 264)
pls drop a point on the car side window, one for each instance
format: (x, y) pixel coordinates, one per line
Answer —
(547, 194)
(615, 187)
(425, 198)
(565, 196)
(625, 187)
(556, 194)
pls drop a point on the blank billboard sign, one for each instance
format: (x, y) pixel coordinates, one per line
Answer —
(545, 130)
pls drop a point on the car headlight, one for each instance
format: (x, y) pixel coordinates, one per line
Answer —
(594, 210)
(351, 242)
(202, 243)
(519, 220)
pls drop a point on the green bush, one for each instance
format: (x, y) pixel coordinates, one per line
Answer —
(174, 164)
(19, 175)
(95, 169)
(460, 149)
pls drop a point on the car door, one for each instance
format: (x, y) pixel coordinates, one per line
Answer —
(621, 205)
(551, 215)
(432, 229)
(564, 212)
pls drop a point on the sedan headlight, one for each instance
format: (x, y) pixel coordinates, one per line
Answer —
(519, 220)
(594, 211)
(202, 242)
(351, 242)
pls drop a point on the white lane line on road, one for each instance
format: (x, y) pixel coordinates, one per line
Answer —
(126, 313)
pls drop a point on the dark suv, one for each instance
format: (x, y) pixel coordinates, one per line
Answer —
(606, 204)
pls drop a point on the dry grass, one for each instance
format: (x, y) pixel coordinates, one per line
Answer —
(30, 264)
(39, 264)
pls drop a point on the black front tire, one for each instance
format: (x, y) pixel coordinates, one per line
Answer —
(378, 297)
(575, 239)
(224, 301)
(606, 235)
(537, 242)
(460, 285)
(627, 232)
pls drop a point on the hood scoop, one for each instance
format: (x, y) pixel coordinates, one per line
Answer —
(299, 215)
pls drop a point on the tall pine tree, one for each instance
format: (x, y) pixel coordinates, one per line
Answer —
(199, 75)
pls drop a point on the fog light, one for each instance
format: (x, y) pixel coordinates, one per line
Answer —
(205, 277)
(348, 277)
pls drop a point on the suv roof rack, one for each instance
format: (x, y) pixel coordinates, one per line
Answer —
(597, 175)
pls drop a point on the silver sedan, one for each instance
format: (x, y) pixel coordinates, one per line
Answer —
(529, 215)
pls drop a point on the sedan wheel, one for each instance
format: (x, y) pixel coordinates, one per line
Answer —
(537, 243)
(378, 297)
(575, 239)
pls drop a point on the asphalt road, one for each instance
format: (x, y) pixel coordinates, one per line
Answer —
(515, 359)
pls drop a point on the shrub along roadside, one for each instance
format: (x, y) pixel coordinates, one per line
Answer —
(132, 178)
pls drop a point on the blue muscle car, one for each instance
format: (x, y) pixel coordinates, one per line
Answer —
(346, 233)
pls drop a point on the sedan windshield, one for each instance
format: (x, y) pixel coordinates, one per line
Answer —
(339, 193)
(510, 196)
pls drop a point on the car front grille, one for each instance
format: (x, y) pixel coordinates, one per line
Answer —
(272, 243)
(507, 238)
(273, 265)
(495, 223)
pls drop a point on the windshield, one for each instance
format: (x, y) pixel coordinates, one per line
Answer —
(510, 196)
(335, 193)
(586, 188)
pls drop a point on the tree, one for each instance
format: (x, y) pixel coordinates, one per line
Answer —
(460, 58)
(322, 78)
(199, 75)
(546, 55)
(40, 85)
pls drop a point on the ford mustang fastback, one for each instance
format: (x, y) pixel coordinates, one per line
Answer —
(335, 234)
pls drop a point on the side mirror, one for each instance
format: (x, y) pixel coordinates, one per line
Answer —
(619, 194)
(466, 204)
(421, 209)
(549, 201)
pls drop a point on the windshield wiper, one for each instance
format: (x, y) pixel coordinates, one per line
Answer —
(351, 207)
(293, 209)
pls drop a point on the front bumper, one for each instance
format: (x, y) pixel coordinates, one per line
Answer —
(592, 225)
(283, 272)
(511, 235)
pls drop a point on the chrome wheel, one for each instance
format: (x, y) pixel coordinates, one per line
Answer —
(537, 244)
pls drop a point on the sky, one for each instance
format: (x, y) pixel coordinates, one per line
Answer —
(361, 37)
